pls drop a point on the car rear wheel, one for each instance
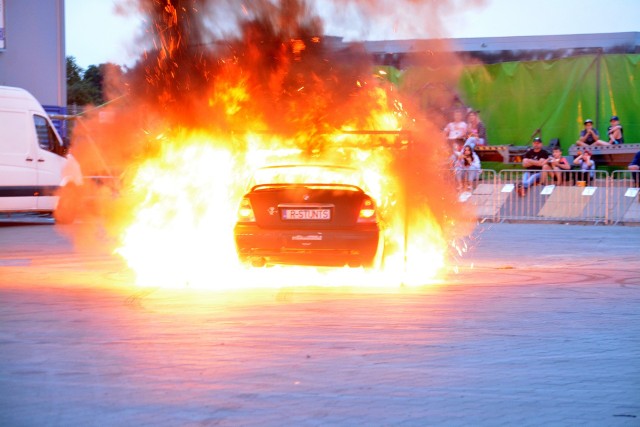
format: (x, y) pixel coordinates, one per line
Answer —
(377, 261)
(258, 262)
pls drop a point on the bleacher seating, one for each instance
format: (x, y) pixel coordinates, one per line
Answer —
(609, 155)
(493, 153)
(507, 154)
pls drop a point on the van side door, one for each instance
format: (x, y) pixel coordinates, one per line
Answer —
(18, 162)
(50, 162)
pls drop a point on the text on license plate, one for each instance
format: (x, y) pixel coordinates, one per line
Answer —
(312, 214)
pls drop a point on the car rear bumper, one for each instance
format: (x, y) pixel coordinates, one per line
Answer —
(308, 247)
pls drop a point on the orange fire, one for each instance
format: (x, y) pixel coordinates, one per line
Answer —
(184, 203)
(205, 121)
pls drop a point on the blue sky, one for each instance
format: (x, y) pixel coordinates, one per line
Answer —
(95, 33)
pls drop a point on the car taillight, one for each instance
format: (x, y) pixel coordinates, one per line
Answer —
(245, 211)
(367, 211)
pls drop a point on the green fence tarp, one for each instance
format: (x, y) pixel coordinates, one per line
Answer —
(620, 93)
(517, 98)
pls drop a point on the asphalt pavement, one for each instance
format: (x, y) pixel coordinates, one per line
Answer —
(536, 324)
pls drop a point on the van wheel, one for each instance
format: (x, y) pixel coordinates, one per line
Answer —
(66, 210)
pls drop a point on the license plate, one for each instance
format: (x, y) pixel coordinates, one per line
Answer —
(306, 214)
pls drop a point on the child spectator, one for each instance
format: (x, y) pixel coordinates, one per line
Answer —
(589, 135)
(615, 131)
(555, 164)
(467, 168)
(587, 167)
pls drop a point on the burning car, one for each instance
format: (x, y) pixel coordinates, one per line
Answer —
(316, 215)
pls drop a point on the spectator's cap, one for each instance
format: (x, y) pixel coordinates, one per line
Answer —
(537, 139)
(614, 118)
(588, 121)
(587, 151)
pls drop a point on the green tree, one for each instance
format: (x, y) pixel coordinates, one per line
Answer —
(78, 92)
(105, 80)
(74, 71)
(89, 86)
(93, 79)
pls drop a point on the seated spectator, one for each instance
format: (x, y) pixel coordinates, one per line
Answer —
(614, 131)
(589, 135)
(467, 169)
(533, 161)
(634, 167)
(586, 165)
(476, 130)
(456, 130)
(554, 166)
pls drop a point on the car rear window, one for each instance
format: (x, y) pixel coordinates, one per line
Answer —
(308, 174)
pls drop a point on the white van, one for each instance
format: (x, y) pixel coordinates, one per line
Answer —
(34, 163)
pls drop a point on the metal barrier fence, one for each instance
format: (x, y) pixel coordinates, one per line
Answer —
(566, 196)
(624, 197)
(481, 194)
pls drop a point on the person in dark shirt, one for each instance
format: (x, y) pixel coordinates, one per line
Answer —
(635, 163)
(533, 161)
(634, 167)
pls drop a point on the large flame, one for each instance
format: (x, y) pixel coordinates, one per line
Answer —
(197, 122)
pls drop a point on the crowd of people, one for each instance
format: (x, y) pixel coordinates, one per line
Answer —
(544, 168)
(464, 134)
(461, 132)
(463, 137)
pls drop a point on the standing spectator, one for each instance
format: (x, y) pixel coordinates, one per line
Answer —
(476, 130)
(635, 163)
(634, 167)
(452, 160)
(467, 168)
(589, 135)
(555, 165)
(614, 131)
(533, 161)
(587, 166)
(456, 130)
